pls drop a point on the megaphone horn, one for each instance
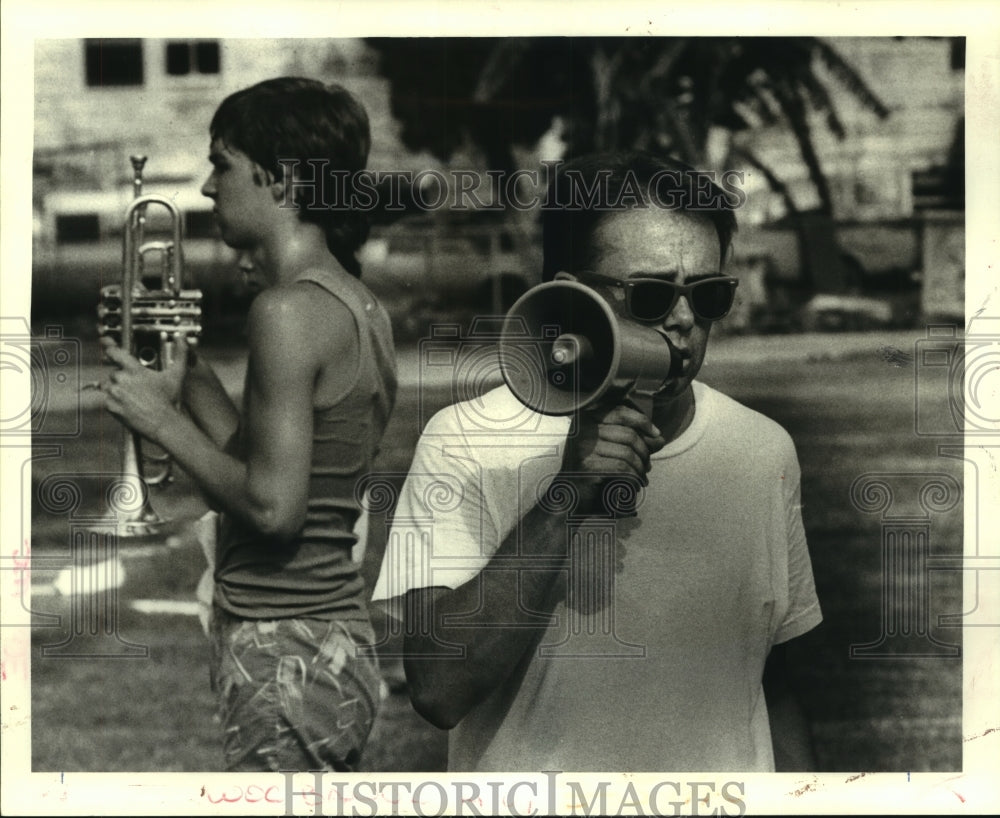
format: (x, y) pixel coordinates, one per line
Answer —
(562, 349)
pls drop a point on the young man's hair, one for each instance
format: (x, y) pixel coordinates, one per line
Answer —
(585, 190)
(293, 119)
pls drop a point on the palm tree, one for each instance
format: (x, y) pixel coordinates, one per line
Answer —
(611, 92)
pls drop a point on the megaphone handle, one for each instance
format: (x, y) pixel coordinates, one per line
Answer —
(643, 401)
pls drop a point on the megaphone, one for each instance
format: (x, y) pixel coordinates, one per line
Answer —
(562, 348)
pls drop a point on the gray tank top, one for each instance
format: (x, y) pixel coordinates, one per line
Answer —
(314, 575)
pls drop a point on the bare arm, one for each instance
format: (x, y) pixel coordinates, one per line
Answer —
(206, 399)
(267, 489)
(790, 734)
(443, 688)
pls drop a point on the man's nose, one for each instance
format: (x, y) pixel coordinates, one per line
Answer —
(681, 317)
(208, 188)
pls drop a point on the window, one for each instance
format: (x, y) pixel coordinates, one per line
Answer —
(75, 228)
(113, 62)
(407, 242)
(957, 53)
(193, 57)
(200, 224)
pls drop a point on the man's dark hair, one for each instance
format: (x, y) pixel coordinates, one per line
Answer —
(587, 189)
(297, 119)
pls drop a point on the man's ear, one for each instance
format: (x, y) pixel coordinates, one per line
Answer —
(281, 189)
(263, 177)
(564, 276)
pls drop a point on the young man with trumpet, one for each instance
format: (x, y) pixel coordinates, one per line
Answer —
(551, 624)
(296, 689)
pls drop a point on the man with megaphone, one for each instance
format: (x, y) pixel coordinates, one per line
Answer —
(597, 564)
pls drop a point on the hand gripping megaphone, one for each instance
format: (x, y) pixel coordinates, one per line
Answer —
(562, 349)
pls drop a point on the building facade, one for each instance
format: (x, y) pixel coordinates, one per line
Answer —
(97, 101)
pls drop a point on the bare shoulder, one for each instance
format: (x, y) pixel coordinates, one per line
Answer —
(302, 340)
(304, 316)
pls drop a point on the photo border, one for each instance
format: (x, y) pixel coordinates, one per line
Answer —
(975, 789)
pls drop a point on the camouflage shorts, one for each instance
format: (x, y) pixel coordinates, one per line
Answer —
(293, 694)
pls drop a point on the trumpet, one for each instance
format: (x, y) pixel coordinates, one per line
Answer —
(146, 314)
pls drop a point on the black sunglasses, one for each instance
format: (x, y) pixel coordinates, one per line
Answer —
(652, 299)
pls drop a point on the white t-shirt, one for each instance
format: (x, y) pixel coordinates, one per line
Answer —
(654, 657)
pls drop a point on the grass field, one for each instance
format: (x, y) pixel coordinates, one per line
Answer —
(848, 416)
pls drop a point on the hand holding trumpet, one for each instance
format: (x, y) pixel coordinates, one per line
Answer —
(144, 399)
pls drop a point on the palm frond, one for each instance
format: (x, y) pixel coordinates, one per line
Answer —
(772, 179)
(681, 136)
(795, 110)
(766, 104)
(501, 64)
(820, 100)
(850, 79)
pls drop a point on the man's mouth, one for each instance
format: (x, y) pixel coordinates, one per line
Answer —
(679, 356)
(678, 363)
